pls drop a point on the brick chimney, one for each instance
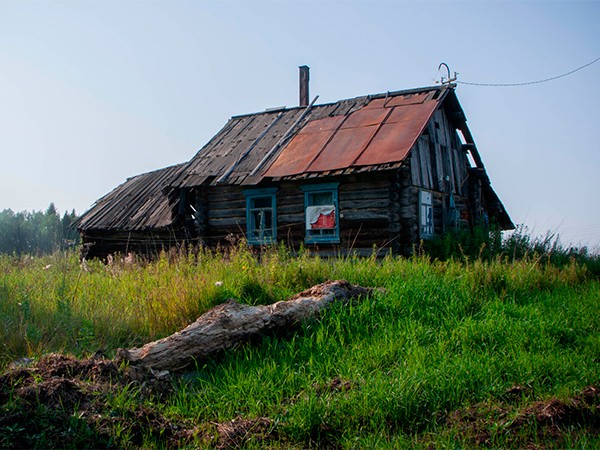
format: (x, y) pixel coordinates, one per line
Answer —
(304, 79)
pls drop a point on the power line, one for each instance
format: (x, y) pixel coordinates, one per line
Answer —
(529, 82)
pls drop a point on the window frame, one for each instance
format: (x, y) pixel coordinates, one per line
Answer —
(312, 189)
(423, 234)
(251, 196)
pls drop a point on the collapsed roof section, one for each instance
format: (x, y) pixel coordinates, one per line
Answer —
(143, 202)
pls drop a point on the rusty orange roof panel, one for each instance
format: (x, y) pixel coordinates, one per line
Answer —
(379, 133)
(365, 117)
(397, 136)
(405, 100)
(419, 114)
(376, 103)
(303, 148)
(345, 147)
(325, 124)
(391, 144)
(400, 100)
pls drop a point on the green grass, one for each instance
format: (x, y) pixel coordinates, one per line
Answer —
(385, 372)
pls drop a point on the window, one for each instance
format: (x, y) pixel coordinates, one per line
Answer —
(321, 213)
(425, 215)
(261, 217)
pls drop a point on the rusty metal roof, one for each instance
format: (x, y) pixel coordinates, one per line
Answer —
(140, 203)
(381, 132)
(362, 133)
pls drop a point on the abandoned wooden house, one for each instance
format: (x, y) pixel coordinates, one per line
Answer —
(384, 170)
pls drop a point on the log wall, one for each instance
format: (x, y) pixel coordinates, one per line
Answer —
(101, 243)
(364, 208)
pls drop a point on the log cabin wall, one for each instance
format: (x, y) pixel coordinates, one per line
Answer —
(225, 214)
(364, 207)
(363, 202)
(290, 214)
(365, 213)
(403, 212)
(197, 198)
(101, 243)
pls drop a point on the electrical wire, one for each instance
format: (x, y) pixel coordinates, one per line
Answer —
(528, 82)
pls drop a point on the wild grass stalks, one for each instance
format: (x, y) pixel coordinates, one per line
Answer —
(384, 372)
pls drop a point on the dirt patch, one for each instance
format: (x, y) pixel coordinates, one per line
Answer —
(51, 366)
(50, 398)
(53, 393)
(556, 417)
(482, 424)
(237, 432)
(474, 423)
(334, 385)
(140, 424)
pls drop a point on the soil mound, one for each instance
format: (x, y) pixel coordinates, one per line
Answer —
(553, 418)
(60, 401)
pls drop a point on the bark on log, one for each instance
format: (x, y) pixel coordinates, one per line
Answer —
(231, 323)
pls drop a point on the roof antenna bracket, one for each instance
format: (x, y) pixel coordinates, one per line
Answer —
(449, 79)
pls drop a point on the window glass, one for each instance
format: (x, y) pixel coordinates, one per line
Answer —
(321, 213)
(261, 225)
(426, 215)
(321, 198)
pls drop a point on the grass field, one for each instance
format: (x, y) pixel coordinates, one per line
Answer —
(454, 354)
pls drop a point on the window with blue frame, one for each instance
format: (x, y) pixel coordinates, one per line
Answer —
(321, 213)
(261, 216)
(425, 214)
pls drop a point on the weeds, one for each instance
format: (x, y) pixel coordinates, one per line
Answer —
(402, 369)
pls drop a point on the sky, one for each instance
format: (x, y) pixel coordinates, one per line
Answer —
(94, 92)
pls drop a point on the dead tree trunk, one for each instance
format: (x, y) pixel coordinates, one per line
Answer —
(231, 323)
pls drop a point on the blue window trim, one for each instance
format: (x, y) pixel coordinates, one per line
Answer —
(429, 218)
(251, 194)
(323, 187)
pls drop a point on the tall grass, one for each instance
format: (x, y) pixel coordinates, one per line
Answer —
(483, 243)
(443, 336)
(382, 372)
(57, 303)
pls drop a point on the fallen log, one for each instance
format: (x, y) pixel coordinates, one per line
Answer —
(232, 323)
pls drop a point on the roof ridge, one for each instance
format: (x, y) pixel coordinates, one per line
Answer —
(357, 98)
(172, 166)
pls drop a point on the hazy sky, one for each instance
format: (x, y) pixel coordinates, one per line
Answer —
(94, 92)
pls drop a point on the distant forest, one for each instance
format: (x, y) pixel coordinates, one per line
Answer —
(37, 232)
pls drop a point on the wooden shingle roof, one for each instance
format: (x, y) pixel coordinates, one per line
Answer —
(143, 202)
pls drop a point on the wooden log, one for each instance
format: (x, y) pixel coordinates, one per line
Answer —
(232, 323)
(355, 203)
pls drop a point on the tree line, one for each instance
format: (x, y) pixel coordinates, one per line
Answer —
(37, 232)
